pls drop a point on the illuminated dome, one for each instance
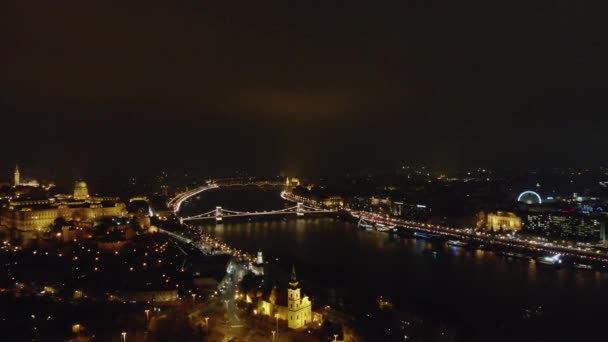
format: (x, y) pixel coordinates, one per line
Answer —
(81, 191)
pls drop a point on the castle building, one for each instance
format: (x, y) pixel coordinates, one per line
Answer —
(19, 182)
(39, 214)
(81, 191)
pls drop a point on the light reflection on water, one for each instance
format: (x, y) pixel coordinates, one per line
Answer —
(362, 265)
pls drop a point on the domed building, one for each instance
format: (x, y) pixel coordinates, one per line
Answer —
(39, 214)
(81, 191)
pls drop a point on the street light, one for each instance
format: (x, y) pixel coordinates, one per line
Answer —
(276, 315)
(193, 298)
(124, 336)
(147, 311)
(335, 337)
(273, 334)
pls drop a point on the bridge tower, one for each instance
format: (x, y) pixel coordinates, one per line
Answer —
(218, 214)
(300, 209)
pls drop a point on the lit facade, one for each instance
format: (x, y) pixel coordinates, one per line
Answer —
(39, 214)
(503, 220)
(292, 182)
(333, 202)
(298, 311)
(574, 226)
(258, 267)
(81, 191)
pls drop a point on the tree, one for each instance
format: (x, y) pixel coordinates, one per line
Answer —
(58, 224)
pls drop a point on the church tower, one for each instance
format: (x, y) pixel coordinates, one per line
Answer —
(299, 309)
(293, 292)
(258, 266)
(17, 178)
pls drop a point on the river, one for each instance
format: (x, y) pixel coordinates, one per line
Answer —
(349, 268)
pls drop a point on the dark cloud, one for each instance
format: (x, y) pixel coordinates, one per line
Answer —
(315, 86)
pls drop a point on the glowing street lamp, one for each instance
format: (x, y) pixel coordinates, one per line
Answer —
(193, 298)
(273, 335)
(276, 315)
(124, 336)
(147, 314)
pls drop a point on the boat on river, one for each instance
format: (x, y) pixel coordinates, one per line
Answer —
(457, 243)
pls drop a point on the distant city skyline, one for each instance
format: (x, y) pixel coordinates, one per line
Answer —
(434, 170)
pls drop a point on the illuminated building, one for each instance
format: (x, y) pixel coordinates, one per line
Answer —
(376, 201)
(18, 182)
(566, 224)
(293, 182)
(29, 215)
(503, 220)
(258, 267)
(81, 191)
(17, 177)
(298, 311)
(417, 212)
(317, 197)
(333, 202)
(397, 209)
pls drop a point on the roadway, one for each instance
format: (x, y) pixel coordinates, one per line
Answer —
(177, 201)
(470, 234)
(227, 290)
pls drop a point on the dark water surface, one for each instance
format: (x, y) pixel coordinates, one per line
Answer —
(350, 268)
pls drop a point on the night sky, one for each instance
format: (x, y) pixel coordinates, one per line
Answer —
(128, 87)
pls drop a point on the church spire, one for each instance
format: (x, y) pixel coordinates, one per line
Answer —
(293, 282)
(17, 175)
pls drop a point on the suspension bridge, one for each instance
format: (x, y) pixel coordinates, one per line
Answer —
(219, 213)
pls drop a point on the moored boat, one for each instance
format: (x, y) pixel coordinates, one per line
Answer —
(457, 243)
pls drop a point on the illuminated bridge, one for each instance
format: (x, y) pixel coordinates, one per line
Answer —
(300, 209)
(219, 213)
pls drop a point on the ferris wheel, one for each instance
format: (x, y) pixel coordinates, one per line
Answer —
(529, 197)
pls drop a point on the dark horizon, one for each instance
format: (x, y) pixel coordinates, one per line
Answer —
(116, 89)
